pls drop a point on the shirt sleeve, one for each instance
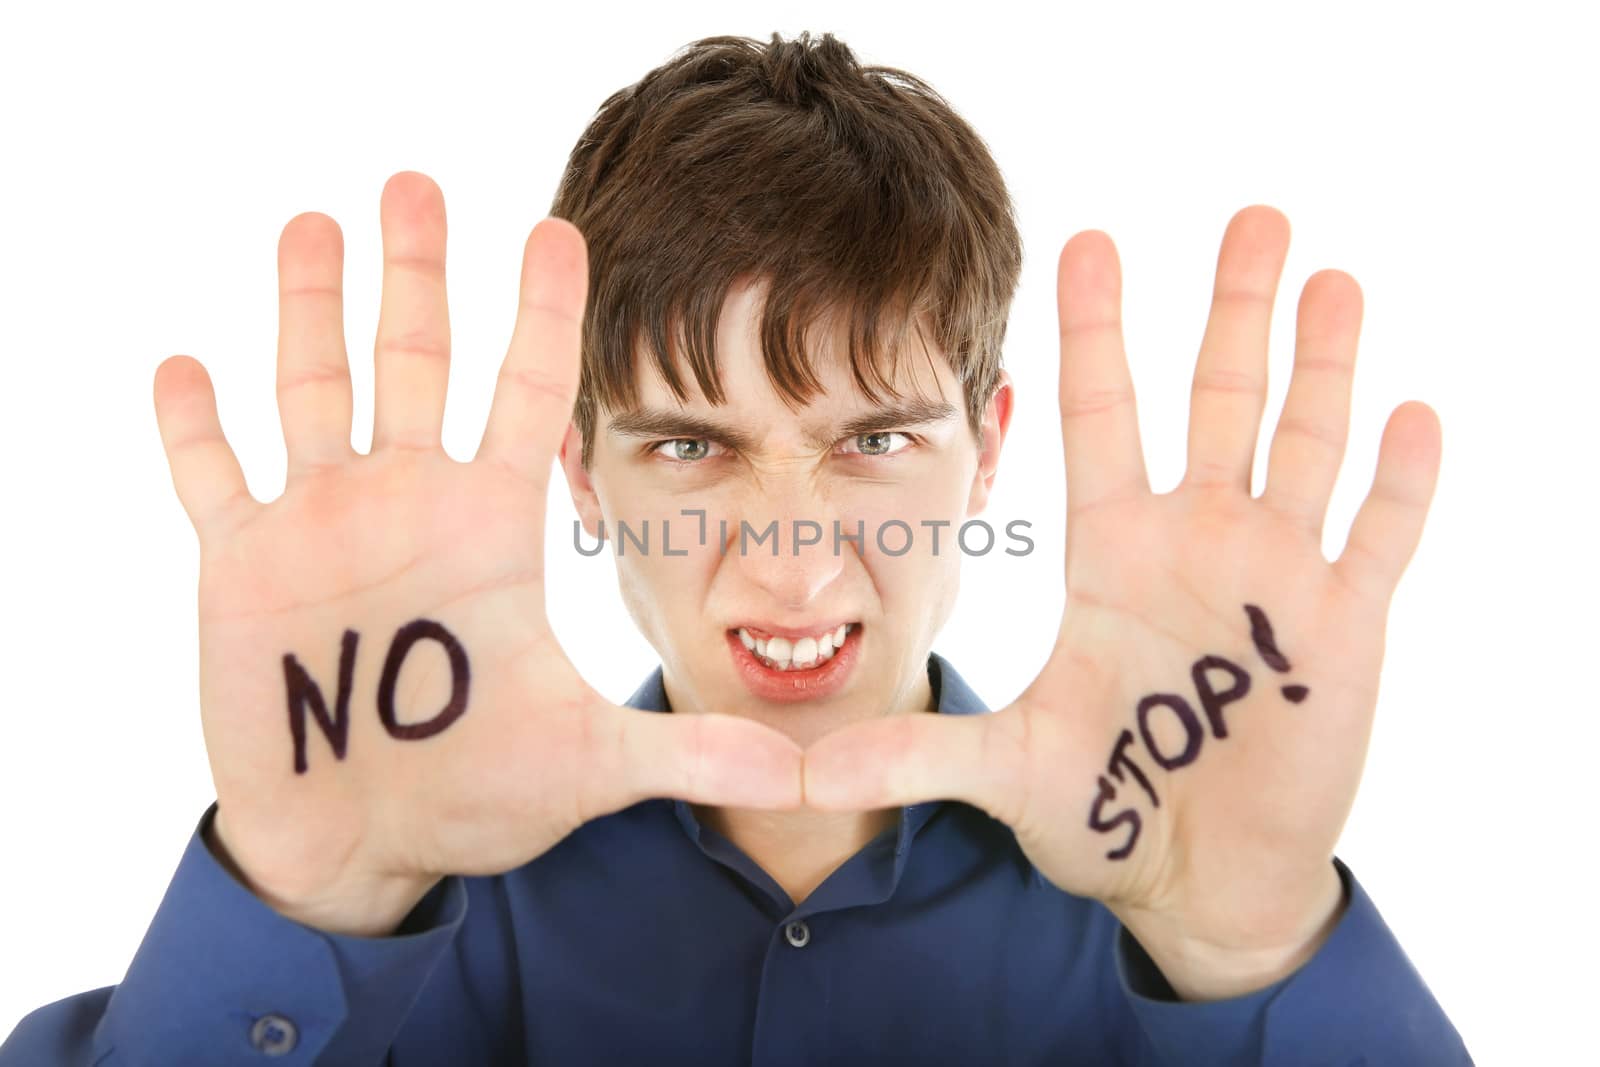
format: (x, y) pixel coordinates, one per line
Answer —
(1357, 1001)
(222, 978)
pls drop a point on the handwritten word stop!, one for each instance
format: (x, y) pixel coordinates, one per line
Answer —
(305, 694)
(1155, 708)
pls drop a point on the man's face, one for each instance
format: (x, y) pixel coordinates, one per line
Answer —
(840, 459)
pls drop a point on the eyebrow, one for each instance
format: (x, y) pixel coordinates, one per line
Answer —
(664, 423)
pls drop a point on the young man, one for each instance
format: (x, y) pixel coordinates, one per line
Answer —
(805, 840)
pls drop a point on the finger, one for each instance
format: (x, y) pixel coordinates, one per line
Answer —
(313, 368)
(205, 472)
(1230, 377)
(701, 758)
(1309, 442)
(908, 759)
(1099, 419)
(539, 377)
(1388, 526)
(412, 353)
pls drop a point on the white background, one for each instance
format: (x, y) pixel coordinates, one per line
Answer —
(1440, 154)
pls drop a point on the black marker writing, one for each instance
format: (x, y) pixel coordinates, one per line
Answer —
(304, 692)
(1120, 759)
(1261, 634)
(1193, 731)
(1212, 701)
(1126, 815)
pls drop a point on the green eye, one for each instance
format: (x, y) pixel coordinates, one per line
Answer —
(685, 449)
(878, 443)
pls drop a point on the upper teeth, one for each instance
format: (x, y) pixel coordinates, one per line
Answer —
(785, 655)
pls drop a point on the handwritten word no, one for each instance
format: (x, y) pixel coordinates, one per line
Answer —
(304, 692)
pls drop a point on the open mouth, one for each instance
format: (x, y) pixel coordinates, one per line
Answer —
(795, 653)
(794, 667)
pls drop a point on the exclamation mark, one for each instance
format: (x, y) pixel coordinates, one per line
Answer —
(1261, 634)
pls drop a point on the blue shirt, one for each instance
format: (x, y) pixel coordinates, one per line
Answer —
(645, 937)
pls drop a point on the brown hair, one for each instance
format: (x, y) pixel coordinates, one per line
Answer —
(844, 186)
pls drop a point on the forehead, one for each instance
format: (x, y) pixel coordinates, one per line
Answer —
(917, 370)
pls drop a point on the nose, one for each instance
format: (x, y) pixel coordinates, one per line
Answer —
(783, 545)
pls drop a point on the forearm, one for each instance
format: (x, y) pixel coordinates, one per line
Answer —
(221, 978)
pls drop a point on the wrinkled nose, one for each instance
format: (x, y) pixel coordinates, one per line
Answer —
(784, 547)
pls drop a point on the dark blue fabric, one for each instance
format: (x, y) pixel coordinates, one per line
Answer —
(645, 937)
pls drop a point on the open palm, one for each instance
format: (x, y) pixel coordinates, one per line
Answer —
(1193, 745)
(382, 697)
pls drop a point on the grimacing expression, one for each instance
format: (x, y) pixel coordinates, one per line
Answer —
(911, 457)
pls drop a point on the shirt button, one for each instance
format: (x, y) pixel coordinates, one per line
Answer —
(798, 933)
(274, 1035)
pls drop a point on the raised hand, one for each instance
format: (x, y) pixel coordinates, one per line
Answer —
(1192, 747)
(382, 697)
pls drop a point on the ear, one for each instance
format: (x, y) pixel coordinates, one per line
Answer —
(584, 498)
(996, 421)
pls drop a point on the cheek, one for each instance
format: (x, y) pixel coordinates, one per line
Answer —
(640, 600)
(664, 593)
(924, 513)
(917, 587)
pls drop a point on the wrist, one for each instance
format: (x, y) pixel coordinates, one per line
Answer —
(363, 906)
(1200, 964)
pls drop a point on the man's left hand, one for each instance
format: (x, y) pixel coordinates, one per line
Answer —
(1192, 747)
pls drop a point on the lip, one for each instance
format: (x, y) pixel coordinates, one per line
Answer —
(794, 687)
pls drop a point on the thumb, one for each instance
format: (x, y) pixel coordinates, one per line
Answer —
(910, 758)
(709, 758)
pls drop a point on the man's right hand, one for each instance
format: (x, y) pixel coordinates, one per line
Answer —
(470, 743)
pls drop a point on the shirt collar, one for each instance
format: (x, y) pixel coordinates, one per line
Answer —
(952, 696)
